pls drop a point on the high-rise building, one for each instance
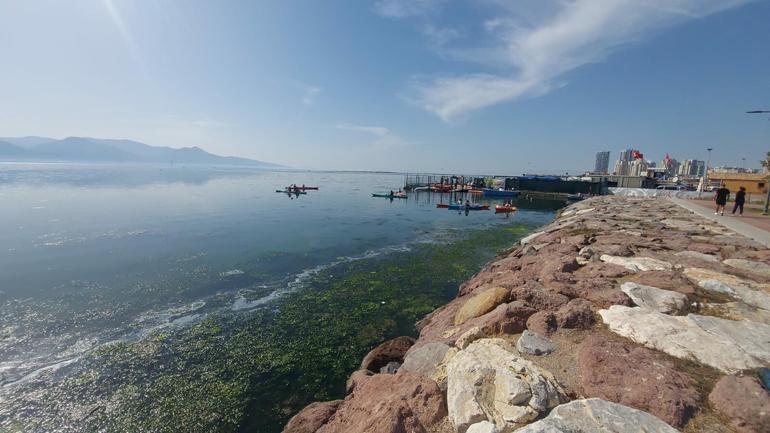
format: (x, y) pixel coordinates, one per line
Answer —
(670, 165)
(623, 164)
(638, 168)
(621, 167)
(602, 165)
(692, 167)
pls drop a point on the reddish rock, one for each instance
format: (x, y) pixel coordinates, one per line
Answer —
(391, 350)
(389, 403)
(665, 280)
(538, 298)
(355, 379)
(703, 248)
(312, 417)
(601, 270)
(577, 313)
(744, 402)
(636, 377)
(510, 318)
(602, 292)
(542, 322)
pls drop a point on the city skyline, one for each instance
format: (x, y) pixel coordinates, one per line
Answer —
(427, 85)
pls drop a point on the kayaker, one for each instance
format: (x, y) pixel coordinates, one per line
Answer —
(467, 204)
(391, 193)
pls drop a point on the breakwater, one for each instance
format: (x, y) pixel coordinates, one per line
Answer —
(623, 315)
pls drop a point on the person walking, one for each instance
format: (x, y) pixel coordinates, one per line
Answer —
(740, 199)
(720, 198)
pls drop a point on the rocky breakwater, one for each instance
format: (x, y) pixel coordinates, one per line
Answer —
(623, 315)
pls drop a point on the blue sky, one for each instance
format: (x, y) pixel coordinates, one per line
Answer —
(483, 86)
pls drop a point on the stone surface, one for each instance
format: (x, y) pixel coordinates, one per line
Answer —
(744, 402)
(356, 378)
(653, 298)
(528, 239)
(391, 350)
(312, 417)
(638, 264)
(482, 303)
(469, 336)
(391, 368)
(758, 268)
(577, 313)
(542, 322)
(699, 256)
(750, 292)
(389, 403)
(483, 427)
(430, 360)
(726, 345)
(534, 344)
(488, 381)
(595, 415)
(737, 311)
(655, 386)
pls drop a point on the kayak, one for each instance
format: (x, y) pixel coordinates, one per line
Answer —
(389, 196)
(303, 188)
(286, 191)
(500, 193)
(505, 209)
(456, 206)
(442, 205)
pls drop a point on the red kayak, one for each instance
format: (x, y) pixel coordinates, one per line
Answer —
(505, 209)
(442, 205)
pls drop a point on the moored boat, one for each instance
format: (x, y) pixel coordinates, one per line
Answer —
(442, 205)
(488, 192)
(474, 206)
(505, 209)
(389, 195)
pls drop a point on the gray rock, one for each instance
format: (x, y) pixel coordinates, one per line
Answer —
(430, 361)
(750, 292)
(638, 264)
(653, 298)
(700, 256)
(758, 268)
(528, 239)
(483, 427)
(534, 344)
(390, 368)
(595, 415)
(488, 381)
(727, 345)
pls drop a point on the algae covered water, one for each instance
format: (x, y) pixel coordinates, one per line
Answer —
(198, 299)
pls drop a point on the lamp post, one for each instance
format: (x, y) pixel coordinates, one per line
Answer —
(767, 198)
(706, 170)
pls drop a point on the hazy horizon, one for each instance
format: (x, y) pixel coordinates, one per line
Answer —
(424, 85)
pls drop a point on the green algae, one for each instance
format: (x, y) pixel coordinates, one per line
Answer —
(236, 373)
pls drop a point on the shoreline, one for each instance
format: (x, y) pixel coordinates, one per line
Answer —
(556, 322)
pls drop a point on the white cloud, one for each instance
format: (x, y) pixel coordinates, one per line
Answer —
(537, 42)
(405, 8)
(374, 130)
(310, 94)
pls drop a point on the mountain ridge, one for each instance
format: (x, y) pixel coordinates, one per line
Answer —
(88, 149)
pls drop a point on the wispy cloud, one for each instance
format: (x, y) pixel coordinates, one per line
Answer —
(384, 138)
(310, 94)
(536, 43)
(405, 8)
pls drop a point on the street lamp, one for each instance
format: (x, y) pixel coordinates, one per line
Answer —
(706, 171)
(767, 198)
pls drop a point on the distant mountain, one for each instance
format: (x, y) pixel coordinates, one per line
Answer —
(84, 149)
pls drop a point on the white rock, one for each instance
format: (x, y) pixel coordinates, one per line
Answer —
(469, 336)
(758, 268)
(483, 427)
(750, 292)
(638, 264)
(584, 211)
(727, 345)
(653, 298)
(700, 256)
(527, 239)
(489, 381)
(595, 415)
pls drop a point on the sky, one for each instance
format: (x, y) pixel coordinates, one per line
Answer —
(475, 86)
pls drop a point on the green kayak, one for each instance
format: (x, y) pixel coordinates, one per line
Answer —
(389, 196)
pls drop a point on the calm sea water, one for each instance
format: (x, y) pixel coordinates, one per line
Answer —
(99, 262)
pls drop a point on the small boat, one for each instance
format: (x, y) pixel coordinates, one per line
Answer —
(505, 209)
(476, 191)
(442, 205)
(488, 192)
(288, 191)
(303, 188)
(575, 197)
(389, 195)
(473, 206)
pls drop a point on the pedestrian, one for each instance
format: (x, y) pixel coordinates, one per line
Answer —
(740, 199)
(720, 197)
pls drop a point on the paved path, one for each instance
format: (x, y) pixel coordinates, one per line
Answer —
(753, 227)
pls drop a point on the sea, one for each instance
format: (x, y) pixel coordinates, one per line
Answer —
(184, 298)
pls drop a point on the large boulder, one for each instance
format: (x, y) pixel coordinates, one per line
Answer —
(727, 345)
(595, 415)
(389, 403)
(489, 381)
(750, 292)
(312, 417)
(482, 303)
(637, 264)
(389, 351)
(653, 298)
(577, 313)
(429, 360)
(538, 298)
(656, 386)
(758, 268)
(744, 402)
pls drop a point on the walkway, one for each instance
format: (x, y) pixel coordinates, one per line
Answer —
(756, 227)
